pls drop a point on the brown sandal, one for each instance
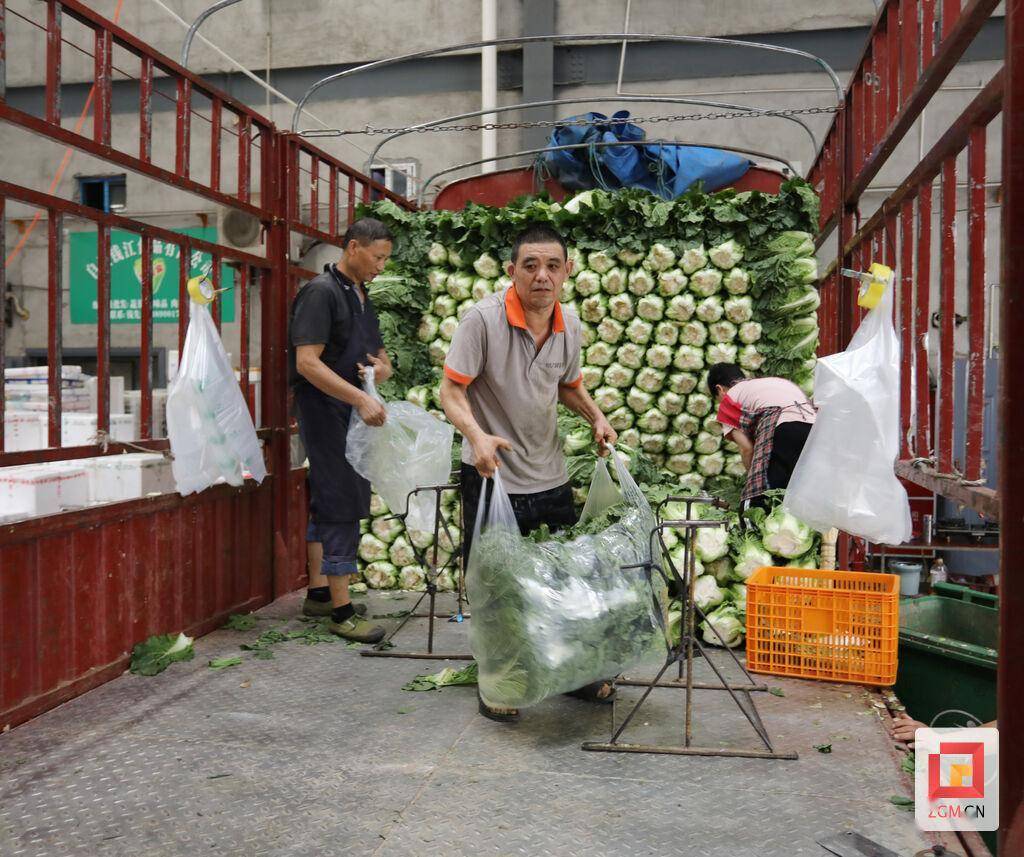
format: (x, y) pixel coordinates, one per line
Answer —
(501, 715)
(592, 692)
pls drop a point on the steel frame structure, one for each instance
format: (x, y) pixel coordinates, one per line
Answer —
(112, 575)
(167, 563)
(912, 48)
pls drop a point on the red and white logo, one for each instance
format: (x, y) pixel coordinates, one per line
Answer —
(956, 779)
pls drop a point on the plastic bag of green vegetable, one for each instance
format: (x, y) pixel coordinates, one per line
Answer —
(555, 614)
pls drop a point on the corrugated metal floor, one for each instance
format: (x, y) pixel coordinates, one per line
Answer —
(320, 751)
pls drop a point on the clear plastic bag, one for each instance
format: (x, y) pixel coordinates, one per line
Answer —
(411, 450)
(845, 475)
(554, 616)
(208, 422)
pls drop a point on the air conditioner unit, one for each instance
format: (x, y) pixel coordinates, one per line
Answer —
(238, 229)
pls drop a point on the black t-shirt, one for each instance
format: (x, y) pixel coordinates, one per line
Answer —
(327, 311)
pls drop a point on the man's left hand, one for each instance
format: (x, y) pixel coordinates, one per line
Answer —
(381, 369)
(604, 436)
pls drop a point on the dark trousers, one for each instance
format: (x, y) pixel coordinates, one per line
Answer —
(554, 508)
(787, 445)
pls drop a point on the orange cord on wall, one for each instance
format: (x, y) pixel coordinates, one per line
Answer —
(64, 161)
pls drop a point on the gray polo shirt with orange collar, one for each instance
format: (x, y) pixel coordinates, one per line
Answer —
(513, 388)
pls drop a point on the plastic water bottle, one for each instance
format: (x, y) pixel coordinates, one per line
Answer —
(938, 573)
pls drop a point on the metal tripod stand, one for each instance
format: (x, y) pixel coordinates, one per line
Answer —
(384, 649)
(681, 654)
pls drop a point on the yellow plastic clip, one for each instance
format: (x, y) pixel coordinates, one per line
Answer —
(201, 290)
(873, 283)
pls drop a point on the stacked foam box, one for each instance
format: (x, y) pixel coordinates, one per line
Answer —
(26, 388)
(114, 478)
(80, 429)
(43, 489)
(133, 405)
(25, 430)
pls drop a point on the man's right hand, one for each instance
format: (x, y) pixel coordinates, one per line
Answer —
(485, 452)
(371, 411)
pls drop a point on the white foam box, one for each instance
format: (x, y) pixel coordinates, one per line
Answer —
(255, 384)
(80, 429)
(126, 477)
(43, 489)
(116, 393)
(133, 405)
(25, 430)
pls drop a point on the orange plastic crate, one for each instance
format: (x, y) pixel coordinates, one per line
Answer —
(829, 625)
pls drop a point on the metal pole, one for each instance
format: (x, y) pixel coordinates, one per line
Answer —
(566, 39)
(488, 81)
(1011, 585)
(186, 45)
(590, 99)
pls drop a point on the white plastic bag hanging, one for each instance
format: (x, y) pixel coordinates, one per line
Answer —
(553, 616)
(411, 450)
(208, 422)
(845, 475)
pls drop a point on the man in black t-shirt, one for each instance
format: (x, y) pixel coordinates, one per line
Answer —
(334, 336)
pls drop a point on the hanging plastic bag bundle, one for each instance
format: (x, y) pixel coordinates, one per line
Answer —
(551, 616)
(844, 477)
(208, 422)
(411, 450)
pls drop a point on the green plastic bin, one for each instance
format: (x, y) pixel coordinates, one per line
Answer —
(948, 650)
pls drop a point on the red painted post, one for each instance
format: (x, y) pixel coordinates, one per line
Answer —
(332, 201)
(880, 65)
(184, 270)
(927, 32)
(215, 278)
(102, 328)
(241, 276)
(906, 305)
(351, 207)
(911, 47)
(314, 192)
(53, 61)
(146, 109)
(922, 314)
(1010, 680)
(244, 157)
(950, 12)
(216, 118)
(55, 323)
(3, 269)
(183, 127)
(103, 83)
(146, 342)
(975, 301)
(947, 315)
(290, 177)
(894, 40)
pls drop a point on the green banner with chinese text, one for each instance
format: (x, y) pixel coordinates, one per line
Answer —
(126, 277)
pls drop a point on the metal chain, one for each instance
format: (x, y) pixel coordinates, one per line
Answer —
(567, 123)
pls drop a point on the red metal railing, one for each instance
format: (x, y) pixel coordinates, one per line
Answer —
(164, 563)
(926, 435)
(913, 46)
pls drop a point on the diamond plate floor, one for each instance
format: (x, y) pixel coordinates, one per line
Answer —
(320, 751)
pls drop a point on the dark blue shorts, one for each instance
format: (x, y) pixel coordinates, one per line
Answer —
(340, 540)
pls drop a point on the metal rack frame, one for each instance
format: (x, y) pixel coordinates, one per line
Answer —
(682, 654)
(383, 648)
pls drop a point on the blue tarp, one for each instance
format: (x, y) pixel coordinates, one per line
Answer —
(667, 170)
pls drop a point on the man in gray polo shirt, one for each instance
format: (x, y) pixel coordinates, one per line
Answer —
(514, 357)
